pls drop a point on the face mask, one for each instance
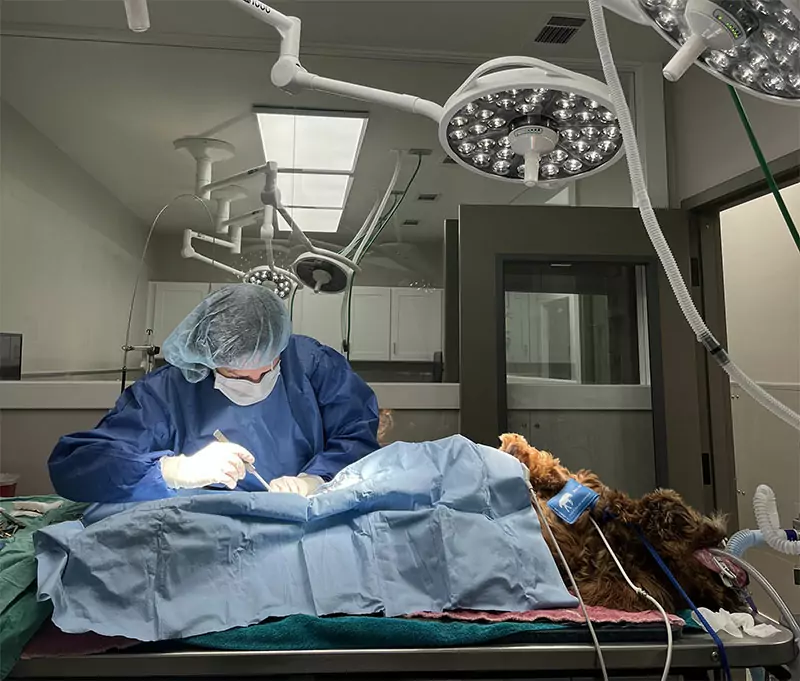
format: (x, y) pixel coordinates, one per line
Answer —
(243, 392)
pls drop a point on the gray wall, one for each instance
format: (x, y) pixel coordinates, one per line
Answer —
(69, 253)
(707, 143)
(617, 445)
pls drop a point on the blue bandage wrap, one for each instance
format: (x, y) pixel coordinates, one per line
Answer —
(570, 503)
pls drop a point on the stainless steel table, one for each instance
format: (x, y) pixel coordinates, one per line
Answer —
(694, 656)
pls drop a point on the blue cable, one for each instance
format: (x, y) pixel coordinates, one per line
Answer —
(717, 640)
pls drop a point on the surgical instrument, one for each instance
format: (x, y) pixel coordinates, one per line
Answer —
(248, 466)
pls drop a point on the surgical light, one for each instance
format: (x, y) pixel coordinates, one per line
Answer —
(753, 45)
(514, 114)
(509, 102)
(264, 275)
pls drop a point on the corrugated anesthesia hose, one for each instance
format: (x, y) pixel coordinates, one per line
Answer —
(642, 199)
(766, 510)
(744, 540)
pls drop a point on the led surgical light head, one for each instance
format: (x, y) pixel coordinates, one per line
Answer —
(753, 45)
(522, 120)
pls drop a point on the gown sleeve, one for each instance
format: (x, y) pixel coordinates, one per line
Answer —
(118, 460)
(349, 411)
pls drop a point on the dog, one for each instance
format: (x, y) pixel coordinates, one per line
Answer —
(673, 528)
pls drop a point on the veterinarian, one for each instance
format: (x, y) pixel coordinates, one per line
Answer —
(290, 406)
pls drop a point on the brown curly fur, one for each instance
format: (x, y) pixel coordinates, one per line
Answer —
(674, 528)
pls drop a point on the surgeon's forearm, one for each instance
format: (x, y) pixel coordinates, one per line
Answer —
(340, 453)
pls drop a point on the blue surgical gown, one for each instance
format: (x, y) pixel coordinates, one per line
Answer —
(319, 418)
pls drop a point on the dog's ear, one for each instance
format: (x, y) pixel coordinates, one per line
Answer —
(514, 444)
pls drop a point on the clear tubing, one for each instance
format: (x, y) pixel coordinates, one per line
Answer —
(365, 242)
(642, 199)
(141, 269)
(766, 510)
(787, 618)
(744, 540)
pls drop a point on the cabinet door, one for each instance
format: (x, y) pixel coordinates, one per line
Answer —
(171, 302)
(370, 323)
(416, 324)
(319, 315)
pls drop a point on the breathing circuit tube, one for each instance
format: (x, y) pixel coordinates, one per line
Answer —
(642, 200)
(766, 510)
(744, 540)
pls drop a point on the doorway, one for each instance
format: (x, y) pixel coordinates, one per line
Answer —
(761, 273)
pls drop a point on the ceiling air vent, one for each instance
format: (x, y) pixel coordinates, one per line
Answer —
(410, 223)
(427, 197)
(560, 30)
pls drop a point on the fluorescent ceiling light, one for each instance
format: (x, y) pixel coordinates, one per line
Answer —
(314, 219)
(316, 153)
(312, 141)
(315, 190)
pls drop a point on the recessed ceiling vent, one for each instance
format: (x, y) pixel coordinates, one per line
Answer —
(560, 30)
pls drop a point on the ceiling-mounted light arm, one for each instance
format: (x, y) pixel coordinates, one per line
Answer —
(288, 73)
(234, 245)
(206, 190)
(188, 252)
(271, 198)
(288, 27)
(300, 78)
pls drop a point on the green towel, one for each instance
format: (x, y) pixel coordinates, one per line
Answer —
(21, 614)
(304, 632)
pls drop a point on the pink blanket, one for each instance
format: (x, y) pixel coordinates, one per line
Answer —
(598, 615)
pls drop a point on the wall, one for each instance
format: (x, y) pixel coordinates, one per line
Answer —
(762, 288)
(707, 142)
(762, 301)
(69, 252)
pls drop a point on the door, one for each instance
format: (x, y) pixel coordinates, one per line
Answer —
(416, 324)
(370, 322)
(601, 304)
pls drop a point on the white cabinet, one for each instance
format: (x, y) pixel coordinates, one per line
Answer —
(416, 324)
(319, 315)
(168, 305)
(370, 324)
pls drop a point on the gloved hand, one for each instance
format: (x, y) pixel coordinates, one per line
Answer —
(218, 463)
(304, 485)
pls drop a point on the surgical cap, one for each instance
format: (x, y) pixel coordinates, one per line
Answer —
(242, 326)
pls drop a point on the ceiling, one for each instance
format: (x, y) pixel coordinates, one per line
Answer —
(114, 101)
